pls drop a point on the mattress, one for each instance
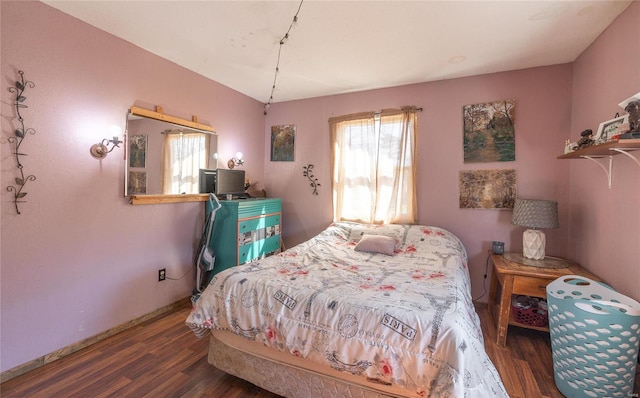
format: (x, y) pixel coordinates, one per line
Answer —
(404, 319)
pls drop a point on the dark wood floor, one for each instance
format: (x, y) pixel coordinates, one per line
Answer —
(162, 358)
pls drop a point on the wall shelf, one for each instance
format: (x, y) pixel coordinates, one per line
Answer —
(159, 199)
(606, 150)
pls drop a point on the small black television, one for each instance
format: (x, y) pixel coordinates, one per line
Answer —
(229, 182)
(207, 181)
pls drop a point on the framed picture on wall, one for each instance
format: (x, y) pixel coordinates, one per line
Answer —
(137, 183)
(282, 142)
(138, 150)
(610, 129)
(487, 189)
(489, 132)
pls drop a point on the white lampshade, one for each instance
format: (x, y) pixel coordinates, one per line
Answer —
(535, 215)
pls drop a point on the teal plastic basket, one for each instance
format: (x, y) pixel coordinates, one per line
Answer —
(595, 332)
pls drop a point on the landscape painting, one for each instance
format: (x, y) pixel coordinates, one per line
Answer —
(282, 142)
(487, 189)
(489, 134)
(137, 182)
(138, 150)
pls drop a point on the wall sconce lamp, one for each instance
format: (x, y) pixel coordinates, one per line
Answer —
(237, 161)
(216, 157)
(535, 215)
(100, 150)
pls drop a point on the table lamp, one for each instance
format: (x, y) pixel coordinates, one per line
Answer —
(535, 215)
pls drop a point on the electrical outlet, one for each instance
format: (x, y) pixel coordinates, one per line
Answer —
(162, 274)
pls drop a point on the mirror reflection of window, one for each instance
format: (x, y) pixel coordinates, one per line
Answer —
(154, 164)
(183, 155)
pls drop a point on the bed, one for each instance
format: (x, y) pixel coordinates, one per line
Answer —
(357, 311)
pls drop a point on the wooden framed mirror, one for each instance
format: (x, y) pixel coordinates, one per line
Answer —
(164, 155)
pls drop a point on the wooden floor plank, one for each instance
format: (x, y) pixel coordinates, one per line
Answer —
(161, 357)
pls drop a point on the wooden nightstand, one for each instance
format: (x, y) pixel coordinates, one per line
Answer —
(511, 277)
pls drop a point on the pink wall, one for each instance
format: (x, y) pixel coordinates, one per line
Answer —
(605, 223)
(80, 260)
(543, 117)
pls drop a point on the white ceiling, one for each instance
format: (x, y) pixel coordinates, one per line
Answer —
(346, 46)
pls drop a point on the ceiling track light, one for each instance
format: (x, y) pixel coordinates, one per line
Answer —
(282, 41)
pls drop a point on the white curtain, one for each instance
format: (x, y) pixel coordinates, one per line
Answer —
(183, 155)
(373, 166)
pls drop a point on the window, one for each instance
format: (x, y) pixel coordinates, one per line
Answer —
(183, 155)
(373, 167)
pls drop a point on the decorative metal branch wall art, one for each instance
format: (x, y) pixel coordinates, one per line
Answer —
(308, 172)
(19, 135)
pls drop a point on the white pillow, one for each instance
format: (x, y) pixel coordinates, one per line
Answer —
(376, 244)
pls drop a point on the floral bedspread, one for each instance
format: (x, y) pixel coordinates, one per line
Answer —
(404, 320)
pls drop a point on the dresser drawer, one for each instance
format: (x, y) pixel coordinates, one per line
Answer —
(536, 287)
(258, 249)
(252, 208)
(258, 223)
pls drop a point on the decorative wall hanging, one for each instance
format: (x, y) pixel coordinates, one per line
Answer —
(308, 172)
(137, 182)
(489, 134)
(20, 133)
(138, 150)
(282, 142)
(487, 189)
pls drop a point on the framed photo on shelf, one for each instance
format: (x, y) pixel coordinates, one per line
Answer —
(611, 128)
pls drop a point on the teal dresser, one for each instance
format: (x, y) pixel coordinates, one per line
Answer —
(245, 230)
